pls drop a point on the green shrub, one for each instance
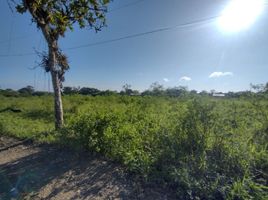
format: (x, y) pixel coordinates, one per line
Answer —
(203, 148)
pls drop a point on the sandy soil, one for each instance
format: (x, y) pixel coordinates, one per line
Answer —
(36, 171)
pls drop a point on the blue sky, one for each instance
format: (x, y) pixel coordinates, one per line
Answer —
(201, 57)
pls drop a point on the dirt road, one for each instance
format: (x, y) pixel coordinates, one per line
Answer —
(35, 171)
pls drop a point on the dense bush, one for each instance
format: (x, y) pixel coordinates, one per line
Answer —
(203, 148)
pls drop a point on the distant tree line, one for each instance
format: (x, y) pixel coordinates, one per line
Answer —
(155, 89)
(25, 91)
(87, 91)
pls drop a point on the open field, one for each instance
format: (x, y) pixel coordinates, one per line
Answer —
(199, 147)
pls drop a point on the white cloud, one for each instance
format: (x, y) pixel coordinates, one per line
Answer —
(185, 78)
(166, 79)
(219, 74)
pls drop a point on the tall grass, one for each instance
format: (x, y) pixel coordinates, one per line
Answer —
(203, 148)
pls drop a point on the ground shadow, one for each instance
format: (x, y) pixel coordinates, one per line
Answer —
(57, 173)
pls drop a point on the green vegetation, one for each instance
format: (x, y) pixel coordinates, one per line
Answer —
(54, 18)
(202, 147)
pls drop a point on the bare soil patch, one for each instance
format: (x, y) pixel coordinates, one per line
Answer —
(38, 171)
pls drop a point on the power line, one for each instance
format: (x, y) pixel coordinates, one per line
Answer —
(184, 25)
(109, 11)
(126, 5)
(121, 38)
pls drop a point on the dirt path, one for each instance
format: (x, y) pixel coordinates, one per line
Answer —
(32, 171)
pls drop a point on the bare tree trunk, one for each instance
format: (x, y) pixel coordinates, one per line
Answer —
(57, 101)
(58, 109)
(53, 68)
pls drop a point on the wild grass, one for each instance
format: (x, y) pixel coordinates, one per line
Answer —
(202, 147)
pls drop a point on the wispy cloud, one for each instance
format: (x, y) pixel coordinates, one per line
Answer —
(219, 74)
(185, 78)
(166, 79)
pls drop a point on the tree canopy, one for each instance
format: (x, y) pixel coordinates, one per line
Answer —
(54, 18)
(60, 15)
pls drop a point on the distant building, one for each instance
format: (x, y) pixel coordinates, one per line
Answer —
(218, 95)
